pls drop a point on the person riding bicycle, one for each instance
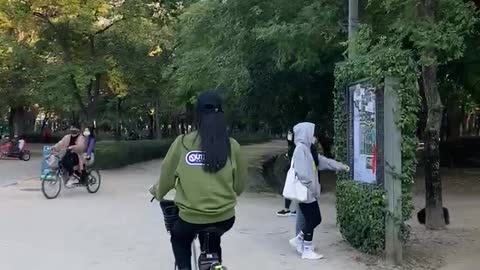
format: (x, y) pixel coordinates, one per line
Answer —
(75, 145)
(13, 145)
(89, 155)
(208, 172)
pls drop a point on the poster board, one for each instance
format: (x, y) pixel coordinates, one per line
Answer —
(365, 149)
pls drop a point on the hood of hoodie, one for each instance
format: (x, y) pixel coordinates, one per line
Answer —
(304, 133)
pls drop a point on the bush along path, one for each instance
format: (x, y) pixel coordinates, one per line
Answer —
(117, 154)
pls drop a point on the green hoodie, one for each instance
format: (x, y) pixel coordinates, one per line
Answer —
(201, 197)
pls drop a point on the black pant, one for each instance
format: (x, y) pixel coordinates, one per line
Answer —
(313, 218)
(288, 203)
(69, 161)
(183, 234)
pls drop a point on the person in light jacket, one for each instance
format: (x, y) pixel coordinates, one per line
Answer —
(323, 164)
(304, 165)
(307, 163)
(75, 144)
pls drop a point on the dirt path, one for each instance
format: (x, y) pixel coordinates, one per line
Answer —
(119, 229)
(14, 170)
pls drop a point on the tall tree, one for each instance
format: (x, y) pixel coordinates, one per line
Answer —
(434, 33)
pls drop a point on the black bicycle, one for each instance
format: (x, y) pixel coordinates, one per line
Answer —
(52, 183)
(207, 260)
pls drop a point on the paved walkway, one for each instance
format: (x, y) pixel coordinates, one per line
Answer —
(14, 170)
(119, 229)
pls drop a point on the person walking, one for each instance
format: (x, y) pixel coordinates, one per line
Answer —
(306, 172)
(307, 162)
(323, 164)
(285, 212)
(208, 172)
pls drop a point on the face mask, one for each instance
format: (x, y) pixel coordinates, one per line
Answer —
(86, 133)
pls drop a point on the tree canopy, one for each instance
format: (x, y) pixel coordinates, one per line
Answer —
(121, 63)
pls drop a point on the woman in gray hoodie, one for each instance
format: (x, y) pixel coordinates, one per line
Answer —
(304, 165)
(307, 163)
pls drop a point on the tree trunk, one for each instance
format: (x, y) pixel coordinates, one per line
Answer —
(93, 95)
(118, 127)
(11, 123)
(433, 184)
(20, 121)
(427, 12)
(151, 126)
(158, 128)
(44, 123)
(454, 116)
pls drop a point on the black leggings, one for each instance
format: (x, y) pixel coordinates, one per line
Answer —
(313, 218)
(183, 234)
(288, 203)
(69, 161)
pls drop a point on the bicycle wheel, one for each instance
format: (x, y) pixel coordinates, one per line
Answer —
(94, 181)
(52, 187)
(25, 156)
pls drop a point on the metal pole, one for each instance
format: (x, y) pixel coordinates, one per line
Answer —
(352, 25)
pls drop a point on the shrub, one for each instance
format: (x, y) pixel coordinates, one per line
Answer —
(360, 212)
(37, 137)
(246, 139)
(116, 154)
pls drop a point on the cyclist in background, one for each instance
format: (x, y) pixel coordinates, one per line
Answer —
(208, 172)
(73, 160)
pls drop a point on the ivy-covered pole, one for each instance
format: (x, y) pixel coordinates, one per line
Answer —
(352, 25)
(393, 169)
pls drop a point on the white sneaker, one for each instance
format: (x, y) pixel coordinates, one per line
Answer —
(297, 243)
(71, 182)
(309, 252)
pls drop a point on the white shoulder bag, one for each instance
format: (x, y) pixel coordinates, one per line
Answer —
(294, 189)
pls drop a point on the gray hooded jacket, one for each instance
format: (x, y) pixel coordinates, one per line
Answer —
(303, 161)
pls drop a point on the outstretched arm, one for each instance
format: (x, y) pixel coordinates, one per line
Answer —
(328, 164)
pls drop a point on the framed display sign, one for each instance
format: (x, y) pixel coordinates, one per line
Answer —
(365, 129)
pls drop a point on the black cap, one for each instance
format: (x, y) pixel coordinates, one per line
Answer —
(209, 102)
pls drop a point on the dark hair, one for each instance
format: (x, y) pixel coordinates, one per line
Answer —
(212, 129)
(314, 151)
